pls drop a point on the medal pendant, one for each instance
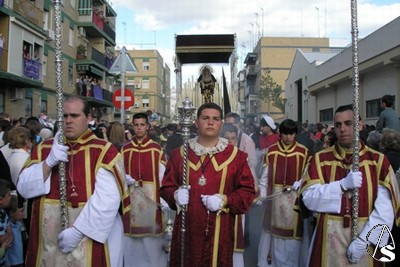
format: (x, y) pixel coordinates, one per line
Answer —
(202, 180)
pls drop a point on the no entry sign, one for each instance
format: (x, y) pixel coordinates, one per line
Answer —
(129, 98)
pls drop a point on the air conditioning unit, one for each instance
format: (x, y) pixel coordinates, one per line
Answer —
(136, 105)
(130, 82)
(17, 94)
(82, 32)
(50, 34)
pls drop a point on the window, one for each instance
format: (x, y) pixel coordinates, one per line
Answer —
(71, 37)
(326, 115)
(146, 102)
(70, 75)
(2, 102)
(373, 108)
(43, 106)
(28, 107)
(44, 66)
(146, 66)
(145, 83)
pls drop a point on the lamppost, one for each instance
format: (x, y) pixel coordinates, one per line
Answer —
(306, 95)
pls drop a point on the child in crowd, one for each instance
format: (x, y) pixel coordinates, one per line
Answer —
(6, 236)
(14, 255)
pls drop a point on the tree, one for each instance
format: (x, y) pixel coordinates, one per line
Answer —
(271, 91)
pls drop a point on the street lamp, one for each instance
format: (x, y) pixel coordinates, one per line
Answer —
(306, 94)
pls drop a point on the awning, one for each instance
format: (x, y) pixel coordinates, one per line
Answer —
(93, 102)
(12, 80)
(96, 71)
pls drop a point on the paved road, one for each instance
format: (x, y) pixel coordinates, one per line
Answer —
(253, 226)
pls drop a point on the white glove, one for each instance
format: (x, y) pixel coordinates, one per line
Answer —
(356, 250)
(351, 181)
(182, 196)
(296, 185)
(129, 179)
(57, 153)
(164, 205)
(69, 239)
(212, 202)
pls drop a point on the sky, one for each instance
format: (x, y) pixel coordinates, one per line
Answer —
(153, 24)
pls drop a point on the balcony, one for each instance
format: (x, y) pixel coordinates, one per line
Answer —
(27, 9)
(96, 25)
(97, 58)
(251, 70)
(96, 95)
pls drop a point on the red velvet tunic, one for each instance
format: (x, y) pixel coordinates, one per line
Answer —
(286, 164)
(85, 157)
(227, 173)
(142, 161)
(332, 164)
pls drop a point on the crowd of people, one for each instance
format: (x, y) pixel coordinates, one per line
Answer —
(125, 181)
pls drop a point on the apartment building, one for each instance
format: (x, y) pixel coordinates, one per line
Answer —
(27, 62)
(276, 54)
(150, 86)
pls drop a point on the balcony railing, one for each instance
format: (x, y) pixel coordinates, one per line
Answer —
(32, 69)
(94, 91)
(102, 23)
(28, 10)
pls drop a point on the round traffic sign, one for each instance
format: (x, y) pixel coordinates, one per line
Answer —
(128, 97)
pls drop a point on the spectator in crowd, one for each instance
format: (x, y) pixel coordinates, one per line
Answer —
(117, 135)
(390, 146)
(4, 126)
(388, 118)
(329, 139)
(6, 235)
(174, 139)
(304, 138)
(15, 254)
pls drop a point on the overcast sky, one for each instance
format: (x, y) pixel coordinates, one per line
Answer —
(152, 24)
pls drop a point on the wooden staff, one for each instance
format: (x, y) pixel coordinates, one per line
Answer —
(186, 113)
(60, 114)
(356, 134)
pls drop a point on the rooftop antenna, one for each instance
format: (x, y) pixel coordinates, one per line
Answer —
(262, 22)
(326, 34)
(318, 19)
(124, 23)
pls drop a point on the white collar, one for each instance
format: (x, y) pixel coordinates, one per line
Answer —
(200, 150)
